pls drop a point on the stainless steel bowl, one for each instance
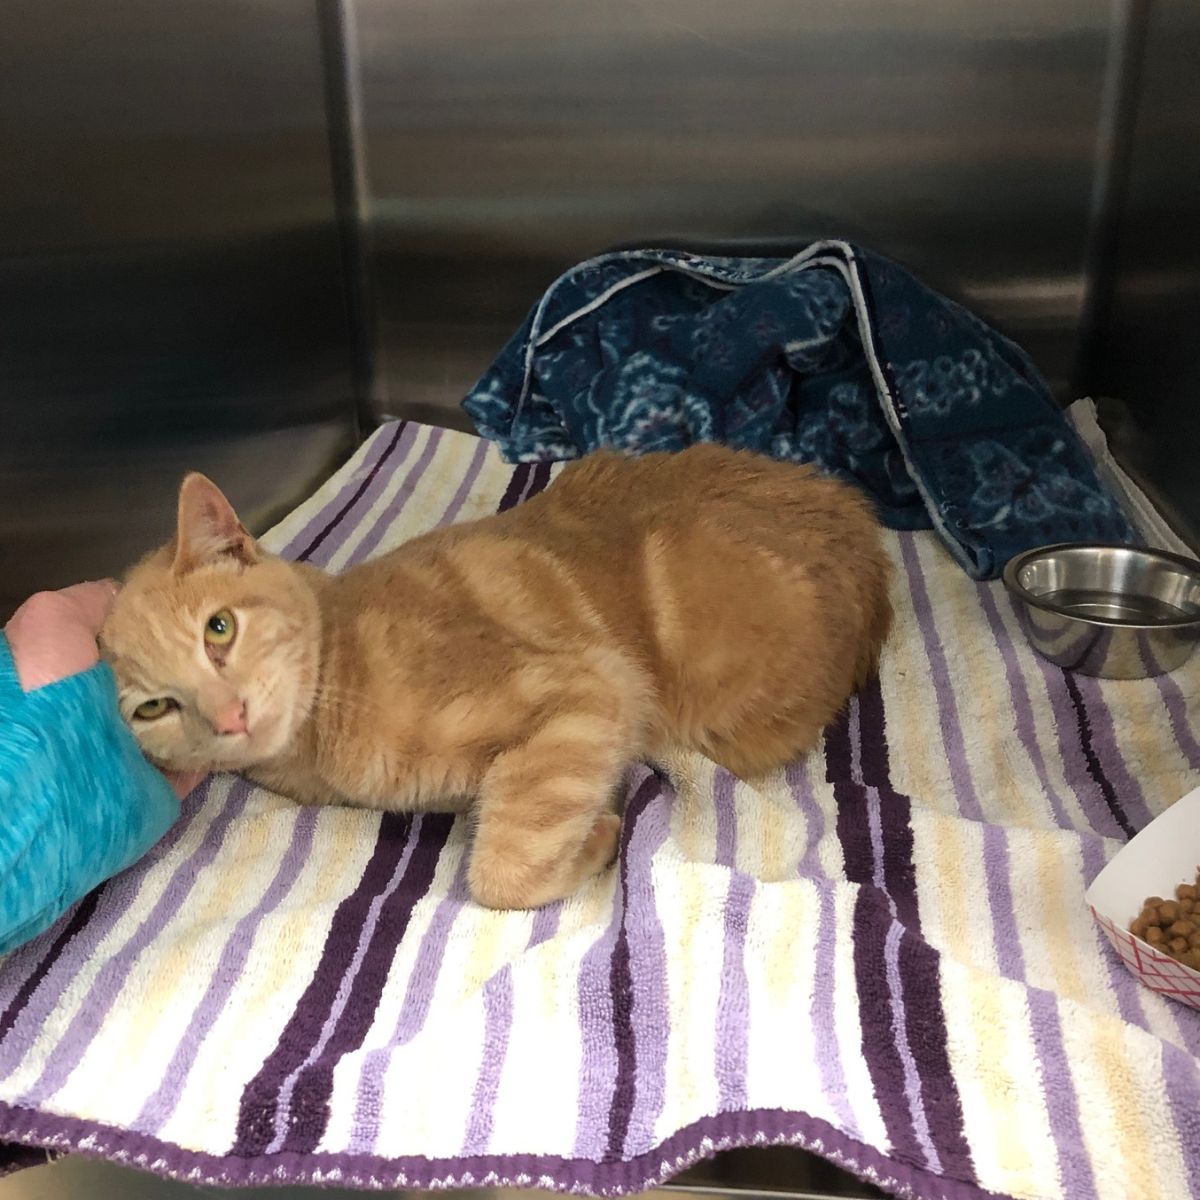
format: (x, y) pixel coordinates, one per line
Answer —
(1108, 610)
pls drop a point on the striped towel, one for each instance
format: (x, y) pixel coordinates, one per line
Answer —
(881, 954)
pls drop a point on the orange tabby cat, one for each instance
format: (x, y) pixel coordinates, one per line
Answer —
(711, 600)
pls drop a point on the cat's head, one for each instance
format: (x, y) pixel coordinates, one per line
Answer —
(215, 644)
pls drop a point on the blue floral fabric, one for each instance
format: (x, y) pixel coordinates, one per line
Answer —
(80, 802)
(836, 357)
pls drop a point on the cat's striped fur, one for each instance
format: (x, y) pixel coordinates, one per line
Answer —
(711, 600)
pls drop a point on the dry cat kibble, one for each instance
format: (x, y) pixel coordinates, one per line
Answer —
(1173, 926)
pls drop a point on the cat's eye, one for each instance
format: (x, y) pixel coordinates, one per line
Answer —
(220, 629)
(151, 710)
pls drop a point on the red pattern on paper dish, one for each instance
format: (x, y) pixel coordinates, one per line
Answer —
(1157, 971)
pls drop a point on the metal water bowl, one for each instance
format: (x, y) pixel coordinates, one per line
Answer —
(1109, 611)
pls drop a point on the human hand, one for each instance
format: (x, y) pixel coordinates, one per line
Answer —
(53, 636)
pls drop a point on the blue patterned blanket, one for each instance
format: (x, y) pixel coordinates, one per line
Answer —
(836, 357)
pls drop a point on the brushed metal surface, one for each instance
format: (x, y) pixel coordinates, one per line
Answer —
(1145, 354)
(170, 277)
(506, 139)
(1110, 611)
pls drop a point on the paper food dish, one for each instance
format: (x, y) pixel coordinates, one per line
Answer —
(1165, 854)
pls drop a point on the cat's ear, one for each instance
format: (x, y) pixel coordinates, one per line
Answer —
(208, 529)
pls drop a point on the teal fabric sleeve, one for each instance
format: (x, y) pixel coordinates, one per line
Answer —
(78, 802)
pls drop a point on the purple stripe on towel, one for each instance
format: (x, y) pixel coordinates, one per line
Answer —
(380, 443)
(1094, 766)
(352, 1013)
(850, 796)
(536, 482)
(725, 813)
(1183, 1088)
(874, 767)
(881, 1025)
(1108, 749)
(896, 848)
(598, 1064)
(470, 476)
(308, 542)
(74, 922)
(159, 1107)
(733, 1007)
(948, 716)
(1125, 988)
(545, 924)
(621, 980)
(497, 1029)
(839, 760)
(902, 1025)
(1075, 766)
(625, 1083)
(259, 1103)
(821, 1012)
(811, 813)
(395, 505)
(878, 996)
(427, 966)
(68, 1052)
(732, 1032)
(1062, 1104)
(894, 809)
(925, 1036)
(528, 479)
(605, 1017)
(643, 930)
(308, 1112)
(1177, 713)
(913, 967)
(497, 1026)
(517, 483)
(1022, 708)
(539, 481)
(1006, 938)
(414, 1008)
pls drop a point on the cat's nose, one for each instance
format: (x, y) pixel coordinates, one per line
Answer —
(230, 717)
